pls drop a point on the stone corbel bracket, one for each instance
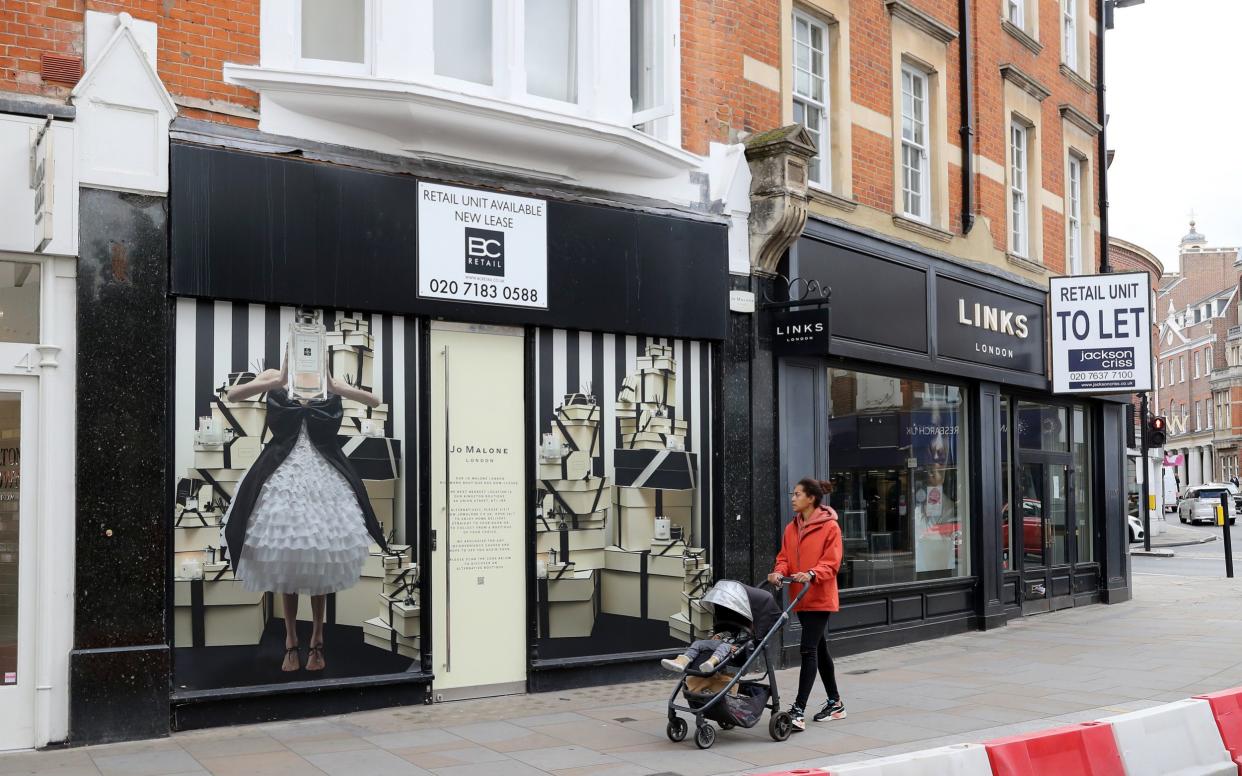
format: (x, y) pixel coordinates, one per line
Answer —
(778, 180)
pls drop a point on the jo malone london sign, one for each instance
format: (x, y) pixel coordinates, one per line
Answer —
(800, 332)
(482, 247)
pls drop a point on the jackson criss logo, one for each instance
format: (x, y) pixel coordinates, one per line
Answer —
(485, 252)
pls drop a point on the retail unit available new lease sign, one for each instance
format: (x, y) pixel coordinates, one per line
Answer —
(1101, 333)
(479, 246)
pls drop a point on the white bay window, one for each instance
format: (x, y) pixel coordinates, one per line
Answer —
(462, 31)
(333, 35)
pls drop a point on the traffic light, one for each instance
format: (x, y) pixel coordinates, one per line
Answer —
(1157, 431)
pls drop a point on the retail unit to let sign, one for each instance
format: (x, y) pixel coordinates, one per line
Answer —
(1101, 333)
(482, 247)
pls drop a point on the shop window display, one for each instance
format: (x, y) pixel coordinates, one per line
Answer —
(623, 493)
(897, 455)
(293, 522)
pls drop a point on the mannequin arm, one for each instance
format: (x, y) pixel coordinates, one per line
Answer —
(268, 380)
(347, 391)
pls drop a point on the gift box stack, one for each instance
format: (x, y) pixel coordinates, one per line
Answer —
(694, 620)
(398, 625)
(651, 547)
(571, 520)
(351, 359)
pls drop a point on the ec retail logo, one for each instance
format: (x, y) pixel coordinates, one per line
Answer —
(485, 252)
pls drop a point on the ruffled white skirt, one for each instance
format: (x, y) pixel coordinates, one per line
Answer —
(306, 534)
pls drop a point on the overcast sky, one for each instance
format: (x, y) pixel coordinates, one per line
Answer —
(1174, 112)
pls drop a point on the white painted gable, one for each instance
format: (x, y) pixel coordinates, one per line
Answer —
(123, 113)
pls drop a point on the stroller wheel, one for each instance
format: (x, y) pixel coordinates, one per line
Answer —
(780, 726)
(705, 736)
(677, 729)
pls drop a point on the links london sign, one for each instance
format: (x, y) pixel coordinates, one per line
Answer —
(989, 328)
(800, 332)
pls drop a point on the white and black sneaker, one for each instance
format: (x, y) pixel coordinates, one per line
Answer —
(833, 708)
(797, 716)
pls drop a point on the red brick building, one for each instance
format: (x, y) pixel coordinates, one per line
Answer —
(1197, 309)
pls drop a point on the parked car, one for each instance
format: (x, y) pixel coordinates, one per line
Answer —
(1199, 503)
(1229, 486)
(1134, 523)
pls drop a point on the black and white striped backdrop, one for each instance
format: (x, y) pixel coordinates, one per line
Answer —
(215, 338)
(570, 361)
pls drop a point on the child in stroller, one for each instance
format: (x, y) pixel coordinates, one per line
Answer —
(722, 645)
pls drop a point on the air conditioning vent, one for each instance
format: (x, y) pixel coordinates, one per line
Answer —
(61, 69)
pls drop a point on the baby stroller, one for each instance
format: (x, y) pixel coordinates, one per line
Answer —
(757, 610)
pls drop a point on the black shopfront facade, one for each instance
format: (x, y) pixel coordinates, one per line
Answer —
(929, 409)
(508, 461)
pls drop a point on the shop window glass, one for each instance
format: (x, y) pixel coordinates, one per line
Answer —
(650, 97)
(898, 462)
(19, 302)
(1042, 427)
(1083, 478)
(552, 49)
(463, 39)
(334, 30)
(10, 519)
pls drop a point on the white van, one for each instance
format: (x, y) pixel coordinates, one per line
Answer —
(1169, 489)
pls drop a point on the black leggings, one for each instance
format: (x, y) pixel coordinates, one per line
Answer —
(814, 651)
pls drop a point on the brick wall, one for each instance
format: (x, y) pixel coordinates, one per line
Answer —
(717, 101)
(196, 38)
(29, 29)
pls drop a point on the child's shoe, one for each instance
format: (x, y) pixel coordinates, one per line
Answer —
(709, 664)
(676, 665)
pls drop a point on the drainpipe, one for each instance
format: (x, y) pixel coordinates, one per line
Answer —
(1102, 154)
(966, 84)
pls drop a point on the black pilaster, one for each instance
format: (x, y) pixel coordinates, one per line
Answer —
(119, 668)
(733, 548)
(765, 503)
(1111, 505)
(987, 494)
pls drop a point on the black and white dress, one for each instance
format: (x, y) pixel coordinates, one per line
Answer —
(300, 521)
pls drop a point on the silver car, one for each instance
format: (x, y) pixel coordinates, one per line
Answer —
(1199, 504)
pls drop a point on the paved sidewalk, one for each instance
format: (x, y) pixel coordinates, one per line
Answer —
(1179, 637)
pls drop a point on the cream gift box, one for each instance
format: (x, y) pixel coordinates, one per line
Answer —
(577, 496)
(402, 616)
(378, 562)
(243, 418)
(585, 548)
(238, 453)
(575, 465)
(227, 616)
(622, 585)
(655, 498)
(580, 435)
(353, 365)
(572, 604)
(195, 538)
(353, 323)
(377, 633)
(636, 525)
(553, 517)
(350, 338)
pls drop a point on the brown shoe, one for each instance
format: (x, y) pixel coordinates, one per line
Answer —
(293, 661)
(314, 658)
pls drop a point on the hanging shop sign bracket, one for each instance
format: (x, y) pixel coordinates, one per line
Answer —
(799, 324)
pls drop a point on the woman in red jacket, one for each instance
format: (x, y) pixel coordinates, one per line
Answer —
(811, 553)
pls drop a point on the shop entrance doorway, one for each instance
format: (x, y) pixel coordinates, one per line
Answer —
(1052, 525)
(18, 539)
(477, 417)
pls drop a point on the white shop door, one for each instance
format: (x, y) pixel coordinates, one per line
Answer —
(19, 528)
(478, 503)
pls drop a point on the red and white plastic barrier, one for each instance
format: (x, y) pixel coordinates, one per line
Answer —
(1227, 709)
(1201, 736)
(1176, 739)
(1074, 750)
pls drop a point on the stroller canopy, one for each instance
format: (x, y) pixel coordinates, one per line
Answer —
(756, 605)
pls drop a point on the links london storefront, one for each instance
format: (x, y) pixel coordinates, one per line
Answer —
(427, 436)
(968, 494)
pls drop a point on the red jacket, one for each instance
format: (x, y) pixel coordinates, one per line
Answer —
(814, 545)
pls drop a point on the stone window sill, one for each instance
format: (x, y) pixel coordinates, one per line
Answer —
(918, 227)
(1030, 265)
(1076, 79)
(825, 197)
(1022, 36)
